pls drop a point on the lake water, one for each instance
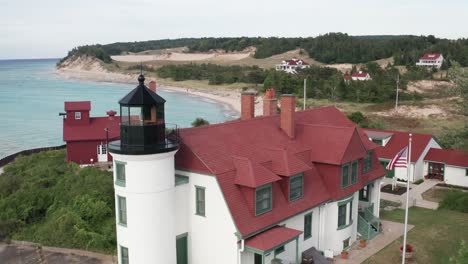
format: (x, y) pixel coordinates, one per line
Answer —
(32, 96)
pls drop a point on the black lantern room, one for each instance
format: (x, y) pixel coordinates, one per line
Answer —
(142, 126)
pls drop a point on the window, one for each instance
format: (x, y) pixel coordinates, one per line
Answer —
(354, 170)
(124, 255)
(364, 193)
(342, 215)
(351, 211)
(466, 172)
(295, 187)
(200, 200)
(279, 250)
(181, 179)
(103, 149)
(307, 226)
(263, 201)
(122, 205)
(346, 244)
(345, 175)
(77, 115)
(378, 141)
(120, 173)
(367, 163)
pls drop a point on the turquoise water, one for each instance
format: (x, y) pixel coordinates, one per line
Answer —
(32, 95)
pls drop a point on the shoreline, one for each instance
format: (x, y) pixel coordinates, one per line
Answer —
(229, 98)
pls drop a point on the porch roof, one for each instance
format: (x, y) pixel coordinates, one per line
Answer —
(272, 238)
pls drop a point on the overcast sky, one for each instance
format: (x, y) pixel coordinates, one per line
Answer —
(49, 28)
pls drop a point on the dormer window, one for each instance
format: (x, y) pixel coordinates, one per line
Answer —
(367, 162)
(263, 199)
(349, 174)
(378, 141)
(296, 187)
(77, 115)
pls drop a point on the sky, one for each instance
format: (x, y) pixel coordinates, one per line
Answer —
(50, 28)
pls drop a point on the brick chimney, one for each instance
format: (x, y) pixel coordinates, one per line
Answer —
(288, 108)
(247, 105)
(152, 85)
(270, 103)
(111, 114)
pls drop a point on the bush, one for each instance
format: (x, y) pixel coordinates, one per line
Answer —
(200, 122)
(419, 181)
(455, 200)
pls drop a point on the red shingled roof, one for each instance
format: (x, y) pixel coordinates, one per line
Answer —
(92, 131)
(78, 106)
(296, 62)
(430, 56)
(398, 141)
(244, 154)
(271, 238)
(453, 157)
(359, 74)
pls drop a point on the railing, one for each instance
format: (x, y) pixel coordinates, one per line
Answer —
(4, 161)
(368, 223)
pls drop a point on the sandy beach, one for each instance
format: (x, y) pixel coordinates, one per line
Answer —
(93, 71)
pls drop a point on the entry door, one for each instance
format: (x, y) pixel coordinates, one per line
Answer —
(182, 250)
(436, 170)
(258, 259)
(102, 153)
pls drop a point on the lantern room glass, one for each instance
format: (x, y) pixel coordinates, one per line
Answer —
(141, 115)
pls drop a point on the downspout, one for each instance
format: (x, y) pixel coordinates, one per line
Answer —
(241, 249)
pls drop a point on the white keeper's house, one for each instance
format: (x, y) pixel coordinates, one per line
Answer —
(292, 65)
(360, 76)
(245, 191)
(447, 165)
(433, 60)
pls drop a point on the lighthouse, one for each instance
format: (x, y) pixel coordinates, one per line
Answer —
(144, 179)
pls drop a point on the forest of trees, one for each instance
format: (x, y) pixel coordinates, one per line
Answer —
(322, 82)
(46, 200)
(328, 48)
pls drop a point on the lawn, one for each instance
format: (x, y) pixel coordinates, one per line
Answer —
(436, 235)
(436, 194)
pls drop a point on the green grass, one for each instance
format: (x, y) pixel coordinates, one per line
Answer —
(436, 235)
(436, 194)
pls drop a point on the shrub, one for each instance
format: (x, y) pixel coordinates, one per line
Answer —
(419, 181)
(200, 122)
(455, 200)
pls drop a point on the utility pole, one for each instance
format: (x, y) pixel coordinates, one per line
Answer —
(397, 87)
(305, 95)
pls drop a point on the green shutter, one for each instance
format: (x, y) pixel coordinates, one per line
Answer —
(307, 226)
(263, 199)
(296, 185)
(182, 249)
(200, 200)
(351, 212)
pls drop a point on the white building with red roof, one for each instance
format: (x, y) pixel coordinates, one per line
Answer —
(391, 142)
(360, 76)
(447, 165)
(245, 191)
(434, 60)
(292, 65)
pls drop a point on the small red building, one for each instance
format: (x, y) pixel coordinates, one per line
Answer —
(86, 136)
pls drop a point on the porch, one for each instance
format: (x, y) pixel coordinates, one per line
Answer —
(278, 245)
(368, 224)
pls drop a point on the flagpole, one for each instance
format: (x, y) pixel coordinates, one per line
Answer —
(408, 164)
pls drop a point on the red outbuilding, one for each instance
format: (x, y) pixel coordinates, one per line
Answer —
(86, 136)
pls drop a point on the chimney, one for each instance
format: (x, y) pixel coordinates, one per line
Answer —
(247, 105)
(111, 114)
(288, 108)
(270, 103)
(152, 85)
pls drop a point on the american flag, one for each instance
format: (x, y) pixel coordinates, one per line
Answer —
(400, 160)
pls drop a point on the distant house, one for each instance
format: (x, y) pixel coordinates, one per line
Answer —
(290, 66)
(86, 136)
(433, 60)
(360, 76)
(392, 142)
(448, 165)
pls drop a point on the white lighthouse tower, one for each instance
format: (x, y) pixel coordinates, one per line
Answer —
(144, 180)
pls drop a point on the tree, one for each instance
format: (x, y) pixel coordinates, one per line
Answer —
(459, 76)
(462, 256)
(200, 122)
